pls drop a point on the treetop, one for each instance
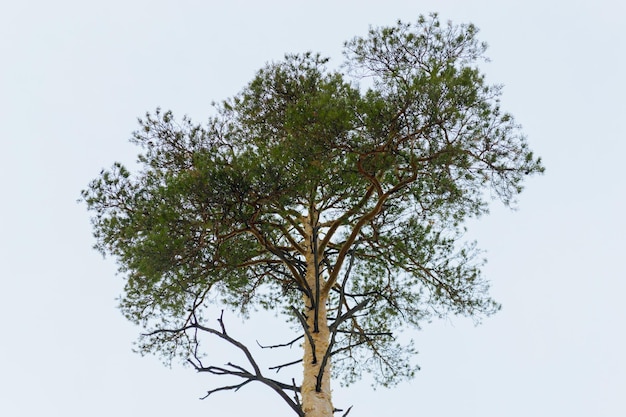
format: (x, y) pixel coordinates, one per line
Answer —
(375, 181)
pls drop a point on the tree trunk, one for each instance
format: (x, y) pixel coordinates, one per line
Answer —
(316, 393)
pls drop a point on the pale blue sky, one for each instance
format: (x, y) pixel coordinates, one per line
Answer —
(74, 76)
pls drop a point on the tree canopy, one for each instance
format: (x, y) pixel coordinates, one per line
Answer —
(335, 196)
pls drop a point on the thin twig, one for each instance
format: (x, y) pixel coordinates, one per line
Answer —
(290, 344)
(279, 367)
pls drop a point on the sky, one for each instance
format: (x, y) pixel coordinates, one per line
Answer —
(74, 77)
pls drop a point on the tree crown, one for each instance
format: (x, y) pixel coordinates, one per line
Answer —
(375, 182)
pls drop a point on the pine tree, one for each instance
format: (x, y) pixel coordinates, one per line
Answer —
(340, 206)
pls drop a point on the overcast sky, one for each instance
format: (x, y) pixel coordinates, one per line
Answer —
(75, 75)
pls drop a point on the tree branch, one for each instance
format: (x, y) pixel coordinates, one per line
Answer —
(342, 219)
(306, 331)
(335, 326)
(297, 275)
(345, 248)
(279, 367)
(290, 344)
(233, 369)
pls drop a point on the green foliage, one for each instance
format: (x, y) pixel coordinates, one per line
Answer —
(218, 212)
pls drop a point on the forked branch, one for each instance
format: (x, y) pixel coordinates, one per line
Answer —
(233, 369)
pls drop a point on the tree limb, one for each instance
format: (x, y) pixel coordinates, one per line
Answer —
(233, 369)
(279, 367)
(306, 331)
(290, 344)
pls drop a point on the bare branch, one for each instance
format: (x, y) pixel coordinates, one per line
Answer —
(279, 367)
(290, 344)
(335, 326)
(365, 333)
(296, 273)
(233, 369)
(225, 388)
(338, 410)
(306, 331)
(348, 314)
(295, 393)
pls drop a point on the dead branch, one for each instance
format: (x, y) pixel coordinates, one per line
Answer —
(350, 313)
(306, 331)
(290, 344)
(233, 369)
(338, 410)
(279, 367)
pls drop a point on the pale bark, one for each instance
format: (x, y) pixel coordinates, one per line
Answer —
(317, 403)
(316, 393)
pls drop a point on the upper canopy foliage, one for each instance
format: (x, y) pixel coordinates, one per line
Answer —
(385, 175)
